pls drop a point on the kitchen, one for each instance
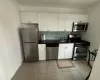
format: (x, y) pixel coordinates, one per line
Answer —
(48, 39)
(54, 33)
(54, 46)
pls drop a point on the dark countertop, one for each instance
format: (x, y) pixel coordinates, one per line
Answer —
(83, 42)
(51, 41)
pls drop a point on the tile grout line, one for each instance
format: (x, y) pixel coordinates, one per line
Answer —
(72, 74)
(78, 71)
(81, 74)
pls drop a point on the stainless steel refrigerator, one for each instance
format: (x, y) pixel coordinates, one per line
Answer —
(29, 35)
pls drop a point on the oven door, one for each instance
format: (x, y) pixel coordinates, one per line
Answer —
(80, 52)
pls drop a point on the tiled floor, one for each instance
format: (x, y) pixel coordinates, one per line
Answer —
(48, 70)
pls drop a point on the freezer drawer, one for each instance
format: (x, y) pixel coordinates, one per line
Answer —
(31, 51)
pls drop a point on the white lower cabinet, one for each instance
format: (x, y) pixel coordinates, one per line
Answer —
(69, 50)
(61, 52)
(42, 51)
(65, 51)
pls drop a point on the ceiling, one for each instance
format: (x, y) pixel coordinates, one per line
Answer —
(58, 3)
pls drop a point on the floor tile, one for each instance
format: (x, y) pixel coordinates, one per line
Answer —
(57, 69)
(29, 67)
(52, 63)
(42, 77)
(84, 73)
(59, 76)
(50, 69)
(25, 76)
(73, 69)
(43, 63)
(64, 76)
(51, 76)
(42, 69)
(65, 70)
(77, 75)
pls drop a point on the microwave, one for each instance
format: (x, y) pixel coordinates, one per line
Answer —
(79, 26)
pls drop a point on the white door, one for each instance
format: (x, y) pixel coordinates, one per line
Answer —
(65, 22)
(43, 21)
(69, 50)
(42, 51)
(77, 17)
(62, 22)
(69, 24)
(74, 18)
(81, 17)
(61, 52)
(52, 19)
(29, 17)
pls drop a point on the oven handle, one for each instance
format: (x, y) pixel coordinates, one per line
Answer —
(75, 49)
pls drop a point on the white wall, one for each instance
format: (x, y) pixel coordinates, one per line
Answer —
(95, 75)
(93, 33)
(52, 9)
(10, 53)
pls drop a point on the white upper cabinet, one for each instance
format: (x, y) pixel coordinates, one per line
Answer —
(62, 22)
(65, 24)
(77, 17)
(43, 21)
(69, 24)
(48, 21)
(52, 22)
(68, 19)
(29, 17)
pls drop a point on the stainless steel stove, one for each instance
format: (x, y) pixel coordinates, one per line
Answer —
(80, 46)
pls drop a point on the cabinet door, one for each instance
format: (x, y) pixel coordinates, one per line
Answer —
(52, 22)
(65, 23)
(69, 50)
(43, 21)
(69, 24)
(83, 18)
(29, 17)
(62, 22)
(42, 51)
(77, 17)
(61, 52)
(74, 18)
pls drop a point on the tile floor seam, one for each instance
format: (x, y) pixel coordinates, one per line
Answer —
(73, 77)
(81, 74)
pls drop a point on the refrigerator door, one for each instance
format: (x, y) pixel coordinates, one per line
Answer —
(31, 52)
(30, 34)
